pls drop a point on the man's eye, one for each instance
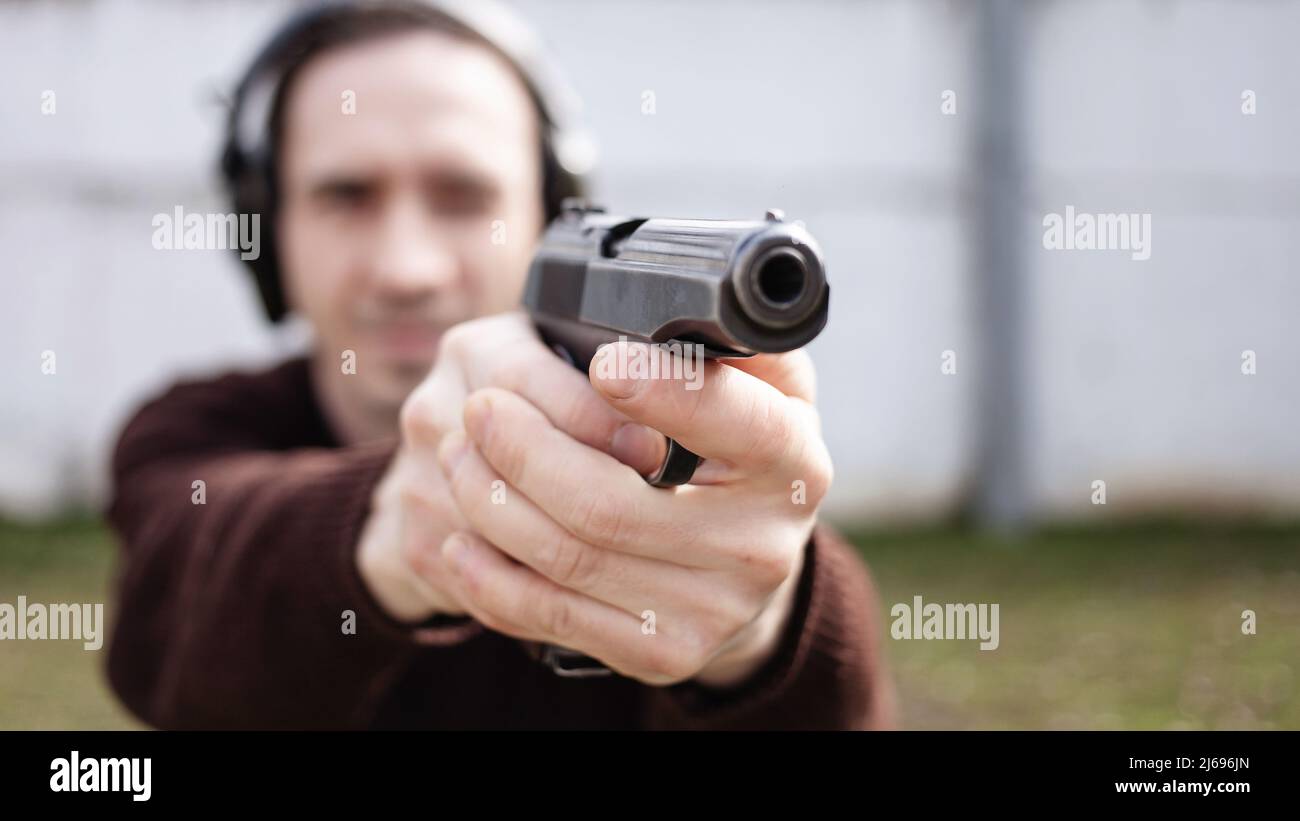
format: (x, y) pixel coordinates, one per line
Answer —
(461, 200)
(463, 206)
(346, 195)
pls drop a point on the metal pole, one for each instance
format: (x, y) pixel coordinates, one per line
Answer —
(1000, 497)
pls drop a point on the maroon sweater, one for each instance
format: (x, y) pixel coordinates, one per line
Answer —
(230, 612)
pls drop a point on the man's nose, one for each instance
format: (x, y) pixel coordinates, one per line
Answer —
(412, 256)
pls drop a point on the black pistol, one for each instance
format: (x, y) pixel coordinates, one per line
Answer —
(732, 287)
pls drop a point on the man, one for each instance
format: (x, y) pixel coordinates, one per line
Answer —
(380, 534)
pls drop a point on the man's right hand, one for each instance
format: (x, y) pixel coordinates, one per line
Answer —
(399, 556)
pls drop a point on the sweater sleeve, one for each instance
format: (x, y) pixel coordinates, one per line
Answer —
(827, 672)
(239, 603)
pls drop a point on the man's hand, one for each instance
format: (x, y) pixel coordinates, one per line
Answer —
(562, 543)
(399, 555)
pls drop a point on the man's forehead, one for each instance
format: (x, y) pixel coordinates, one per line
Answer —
(426, 86)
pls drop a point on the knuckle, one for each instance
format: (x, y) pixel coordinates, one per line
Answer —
(768, 567)
(726, 618)
(508, 373)
(494, 622)
(692, 655)
(817, 471)
(557, 618)
(412, 554)
(577, 419)
(770, 433)
(502, 349)
(667, 662)
(411, 497)
(701, 643)
(598, 519)
(507, 454)
(694, 406)
(472, 494)
(571, 563)
(418, 417)
(424, 508)
(456, 341)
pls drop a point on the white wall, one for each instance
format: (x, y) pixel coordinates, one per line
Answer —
(829, 110)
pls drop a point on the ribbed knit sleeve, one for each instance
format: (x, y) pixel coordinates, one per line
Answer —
(827, 673)
(239, 602)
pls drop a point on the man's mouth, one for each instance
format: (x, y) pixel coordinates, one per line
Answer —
(407, 341)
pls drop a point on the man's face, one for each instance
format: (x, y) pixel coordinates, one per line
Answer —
(388, 225)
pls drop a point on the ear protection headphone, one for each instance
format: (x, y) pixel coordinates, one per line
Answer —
(248, 159)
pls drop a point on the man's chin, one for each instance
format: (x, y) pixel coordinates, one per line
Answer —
(402, 375)
(386, 378)
(406, 355)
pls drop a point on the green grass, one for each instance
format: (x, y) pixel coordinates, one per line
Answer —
(1132, 628)
(57, 684)
(1135, 627)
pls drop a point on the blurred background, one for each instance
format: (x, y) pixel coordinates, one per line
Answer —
(922, 143)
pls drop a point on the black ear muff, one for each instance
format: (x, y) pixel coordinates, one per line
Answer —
(249, 181)
(247, 158)
(558, 184)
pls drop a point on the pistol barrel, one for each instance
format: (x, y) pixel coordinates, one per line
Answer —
(735, 287)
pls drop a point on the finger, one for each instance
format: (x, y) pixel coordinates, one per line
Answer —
(510, 521)
(516, 600)
(730, 415)
(519, 361)
(460, 590)
(791, 373)
(586, 492)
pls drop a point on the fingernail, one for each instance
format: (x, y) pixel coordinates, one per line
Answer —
(452, 451)
(611, 369)
(636, 446)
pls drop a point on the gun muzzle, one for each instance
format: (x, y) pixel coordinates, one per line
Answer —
(781, 288)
